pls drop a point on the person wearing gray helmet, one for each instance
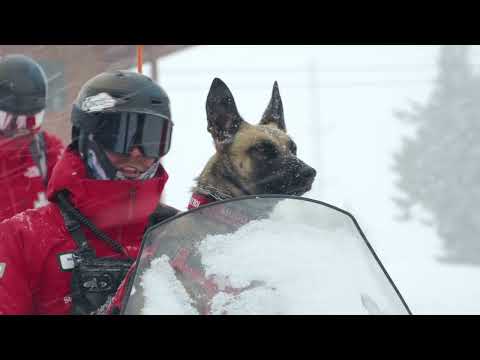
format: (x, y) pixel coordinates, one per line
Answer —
(27, 153)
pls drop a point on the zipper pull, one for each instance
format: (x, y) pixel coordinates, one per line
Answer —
(132, 193)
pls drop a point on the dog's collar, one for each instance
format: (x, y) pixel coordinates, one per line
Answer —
(220, 213)
(198, 200)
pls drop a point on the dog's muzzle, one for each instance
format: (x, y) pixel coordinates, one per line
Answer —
(303, 181)
(292, 177)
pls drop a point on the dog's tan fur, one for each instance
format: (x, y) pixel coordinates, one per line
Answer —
(242, 163)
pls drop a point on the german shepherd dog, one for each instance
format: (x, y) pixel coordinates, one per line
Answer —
(249, 160)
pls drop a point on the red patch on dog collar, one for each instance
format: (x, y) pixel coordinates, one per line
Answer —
(198, 200)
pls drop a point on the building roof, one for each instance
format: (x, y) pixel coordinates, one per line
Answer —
(68, 67)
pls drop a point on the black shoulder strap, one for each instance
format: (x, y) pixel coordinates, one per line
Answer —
(74, 218)
(161, 213)
(75, 229)
(39, 154)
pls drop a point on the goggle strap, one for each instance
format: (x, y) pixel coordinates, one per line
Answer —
(9, 121)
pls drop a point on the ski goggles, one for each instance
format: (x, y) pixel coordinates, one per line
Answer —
(11, 123)
(119, 132)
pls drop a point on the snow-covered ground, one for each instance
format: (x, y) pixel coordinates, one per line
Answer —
(338, 103)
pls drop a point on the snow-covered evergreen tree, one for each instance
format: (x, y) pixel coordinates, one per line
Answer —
(439, 168)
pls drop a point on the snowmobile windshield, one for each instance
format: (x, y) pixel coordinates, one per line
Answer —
(261, 255)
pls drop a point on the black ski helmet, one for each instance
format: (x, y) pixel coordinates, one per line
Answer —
(117, 110)
(23, 85)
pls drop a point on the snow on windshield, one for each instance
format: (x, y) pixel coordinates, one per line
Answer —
(291, 263)
(164, 294)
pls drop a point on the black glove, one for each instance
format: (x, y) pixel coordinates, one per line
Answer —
(161, 213)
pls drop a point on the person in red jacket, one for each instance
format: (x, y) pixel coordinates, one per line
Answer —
(27, 154)
(70, 256)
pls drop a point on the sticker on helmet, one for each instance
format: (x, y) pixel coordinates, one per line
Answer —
(98, 102)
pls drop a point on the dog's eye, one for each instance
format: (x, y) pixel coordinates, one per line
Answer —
(265, 151)
(292, 147)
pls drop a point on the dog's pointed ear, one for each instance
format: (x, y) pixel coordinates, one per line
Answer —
(222, 115)
(274, 112)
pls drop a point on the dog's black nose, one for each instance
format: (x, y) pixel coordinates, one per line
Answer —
(308, 172)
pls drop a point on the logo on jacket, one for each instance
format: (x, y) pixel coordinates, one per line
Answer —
(41, 200)
(66, 261)
(2, 269)
(32, 172)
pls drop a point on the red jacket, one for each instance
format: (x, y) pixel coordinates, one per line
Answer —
(22, 186)
(118, 301)
(32, 243)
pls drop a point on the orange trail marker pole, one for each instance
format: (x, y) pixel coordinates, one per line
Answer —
(140, 58)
